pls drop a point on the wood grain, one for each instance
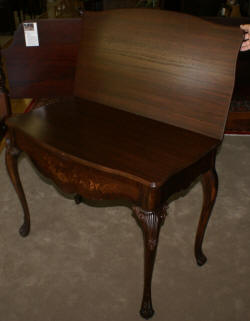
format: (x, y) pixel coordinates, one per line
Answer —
(143, 62)
(47, 70)
(152, 93)
(115, 141)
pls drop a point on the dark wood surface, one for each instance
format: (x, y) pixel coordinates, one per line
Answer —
(158, 69)
(238, 122)
(19, 80)
(47, 70)
(140, 148)
(98, 144)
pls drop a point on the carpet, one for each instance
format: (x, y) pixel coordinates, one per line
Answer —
(84, 262)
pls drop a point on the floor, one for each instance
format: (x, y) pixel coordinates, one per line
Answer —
(85, 263)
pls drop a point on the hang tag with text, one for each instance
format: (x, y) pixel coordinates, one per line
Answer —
(31, 34)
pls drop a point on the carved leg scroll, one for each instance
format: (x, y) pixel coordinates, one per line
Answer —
(12, 154)
(150, 223)
(210, 188)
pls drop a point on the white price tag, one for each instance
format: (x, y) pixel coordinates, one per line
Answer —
(31, 34)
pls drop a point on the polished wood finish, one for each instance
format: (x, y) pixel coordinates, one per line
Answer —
(136, 167)
(146, 118)
(237, 121)
(150, 223)
(210, 187)
(146, 73)
(12, 154)
(47, 70)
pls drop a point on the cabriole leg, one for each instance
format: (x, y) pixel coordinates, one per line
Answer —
(150, 223)
(12, 154)
(210, 188)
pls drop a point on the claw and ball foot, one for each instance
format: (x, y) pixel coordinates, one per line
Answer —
(12, 154)
(210, 188)
(150, 223)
